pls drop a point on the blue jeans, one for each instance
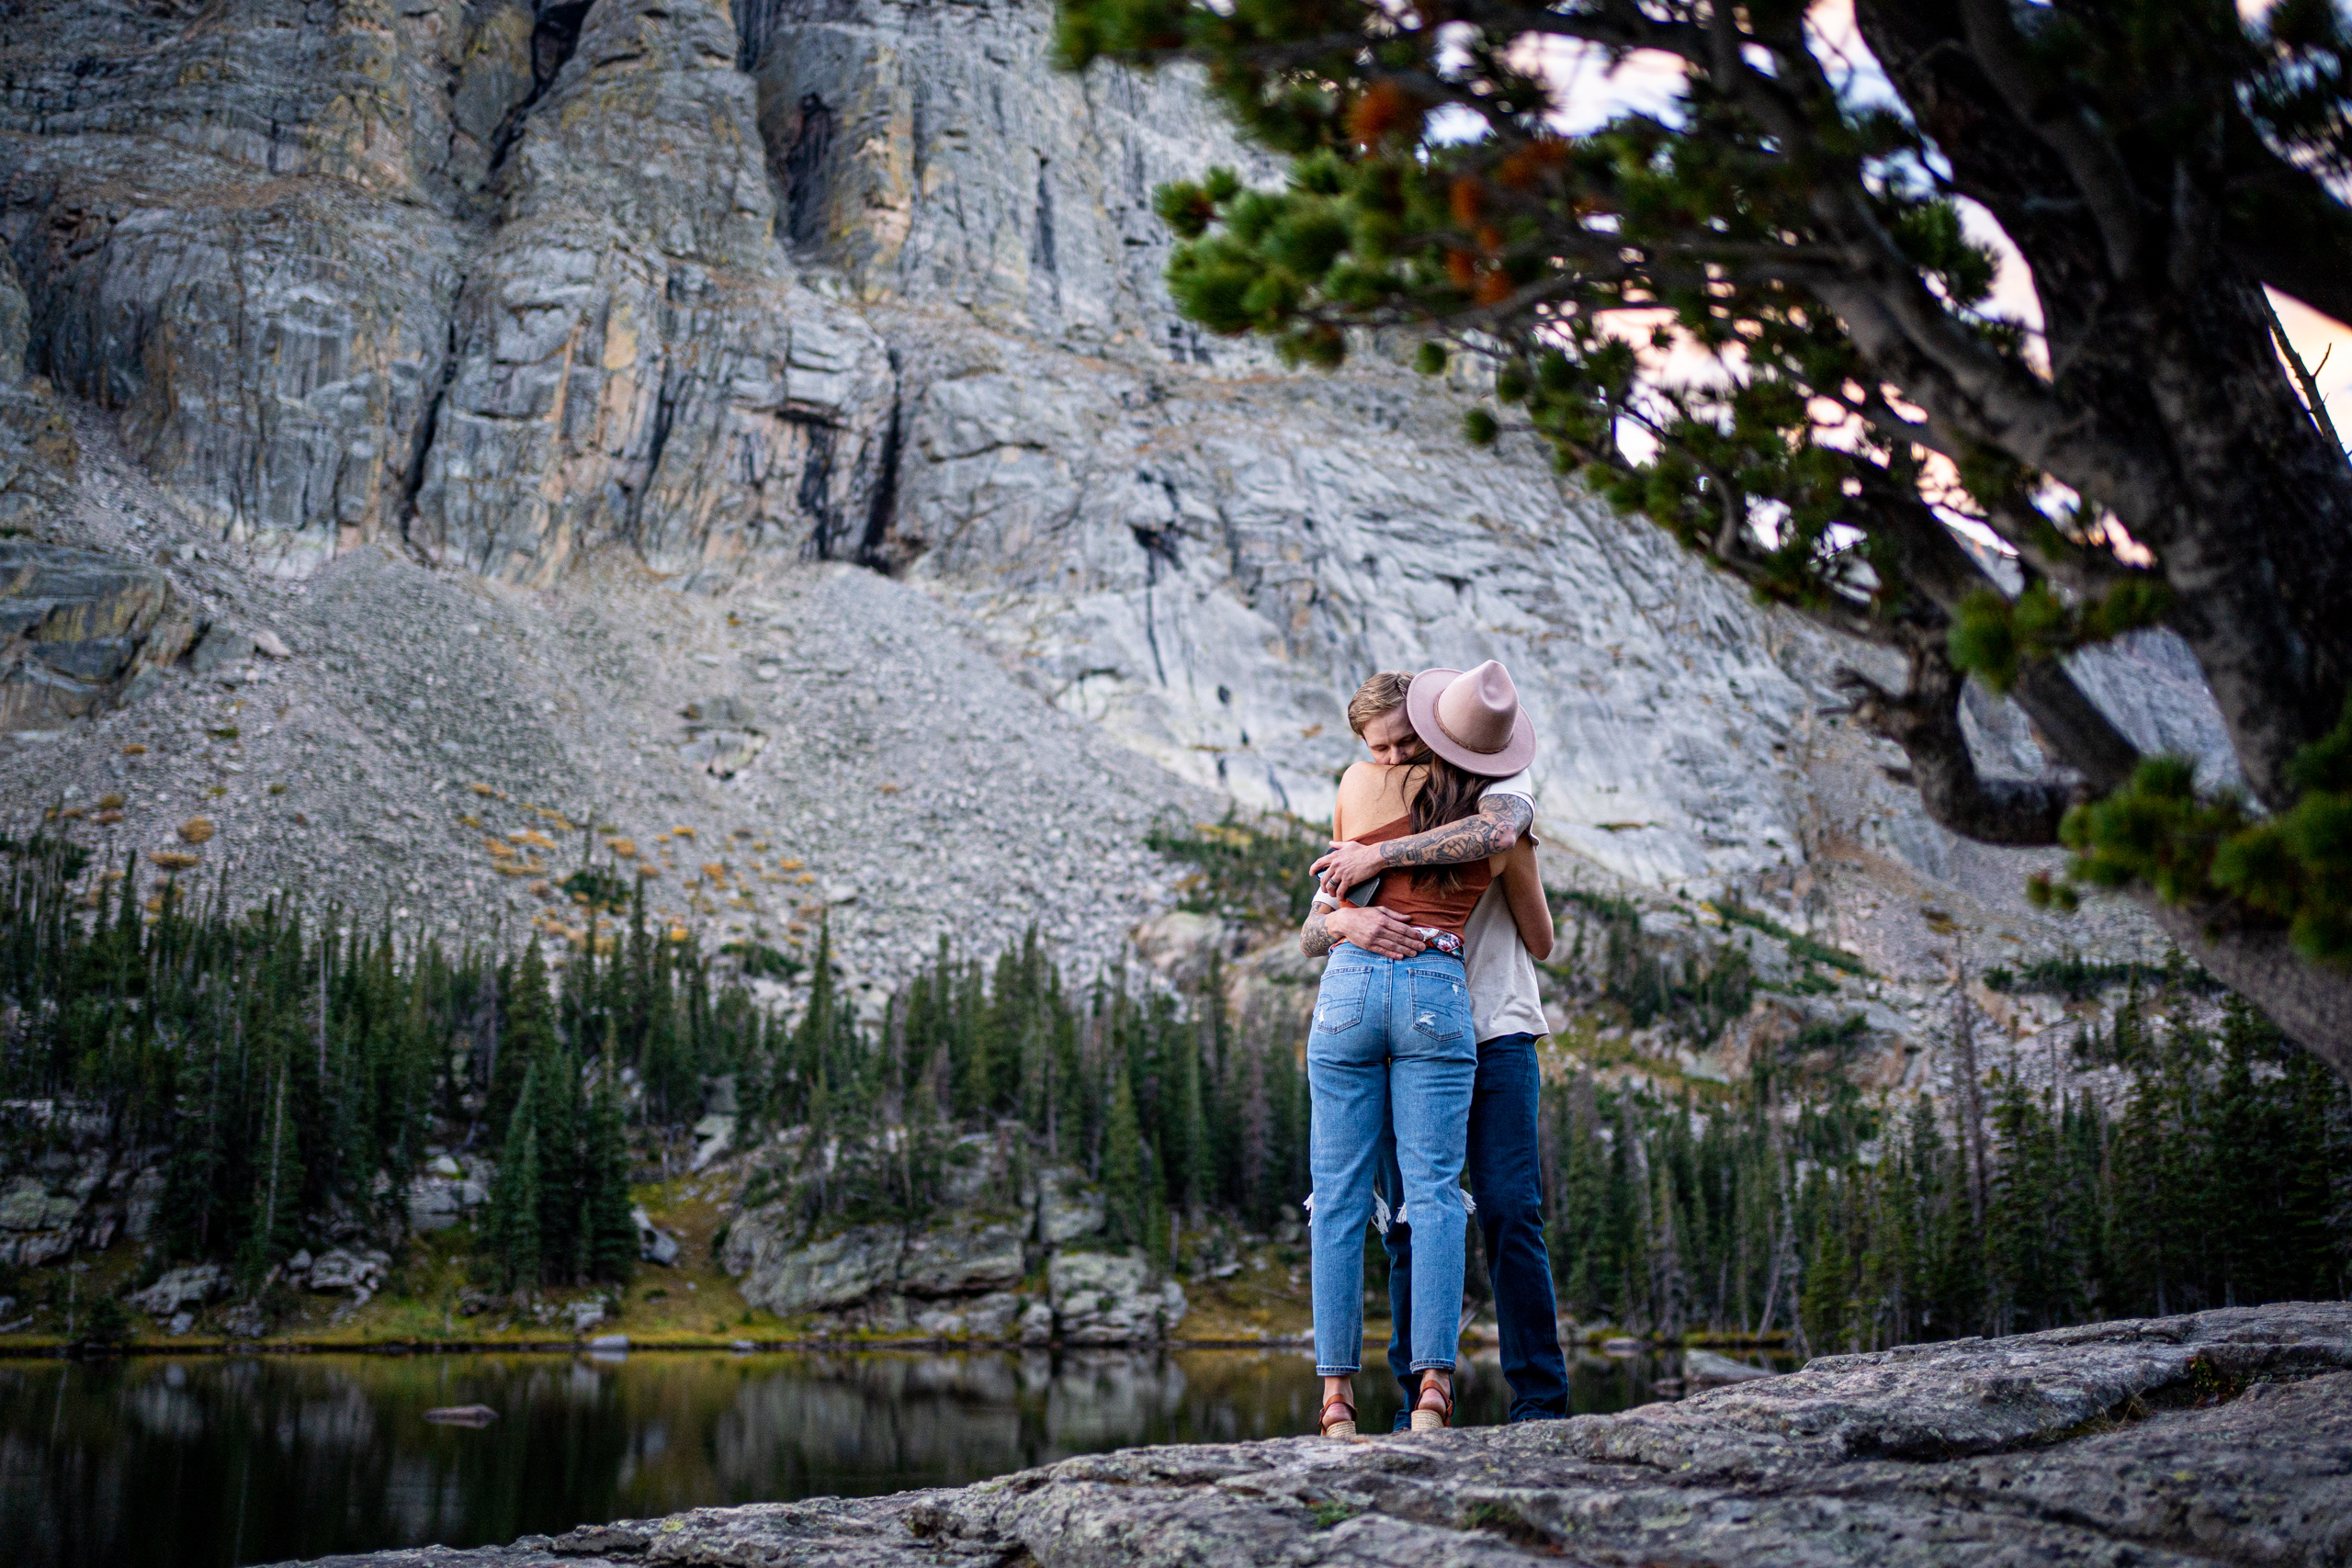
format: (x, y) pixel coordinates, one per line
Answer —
(1392, 1046)
(1507, 1180)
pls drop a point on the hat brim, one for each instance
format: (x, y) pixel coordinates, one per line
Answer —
(1421, 710)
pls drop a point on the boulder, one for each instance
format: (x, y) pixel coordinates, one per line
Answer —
(892, 1278)
(585, 1315)
(76, 630)
(654, 1244)
(1035, 1325)
(139, 1209)
(714, 1136)
(361, 1272)
(720, 710)
(990, 1317)
(1068, 1208)
(191, 1286)
(221, 646)
(785, 1278)
(2166, 1443)
(723, 752)
(1704, 1367)
(961, 1262)
(443, 1196)
(29, 1205)
(1178, 945)
(1103, 1298)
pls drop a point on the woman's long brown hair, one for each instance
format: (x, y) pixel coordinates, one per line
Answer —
(1447, 794)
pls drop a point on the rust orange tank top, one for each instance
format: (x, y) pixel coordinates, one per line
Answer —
(1414, 895)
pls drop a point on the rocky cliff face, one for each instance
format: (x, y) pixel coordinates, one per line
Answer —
(2222, 1437)
(571, 301)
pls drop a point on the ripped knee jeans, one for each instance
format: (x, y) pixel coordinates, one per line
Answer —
(1392, 1047)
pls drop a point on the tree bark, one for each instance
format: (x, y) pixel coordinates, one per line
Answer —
(2312, 1002)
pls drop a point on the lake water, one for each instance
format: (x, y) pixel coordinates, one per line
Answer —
(148, 1462)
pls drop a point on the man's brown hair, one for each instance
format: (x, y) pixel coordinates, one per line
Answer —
(1376, 696)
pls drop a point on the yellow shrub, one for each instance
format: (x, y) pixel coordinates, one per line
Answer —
(196, 830)
(623, 848)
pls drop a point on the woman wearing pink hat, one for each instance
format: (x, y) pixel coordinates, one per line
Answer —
(1393, 1045)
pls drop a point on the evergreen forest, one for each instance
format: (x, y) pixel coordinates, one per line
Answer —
(291, 1071)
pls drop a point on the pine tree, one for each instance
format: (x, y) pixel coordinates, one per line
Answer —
(1123, 1171)
(276, 1221)
(527, 1029)
(1823, 1303)
(610, 1227)
(511, 1232)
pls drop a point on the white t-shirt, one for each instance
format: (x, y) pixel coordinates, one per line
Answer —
(1504, 996)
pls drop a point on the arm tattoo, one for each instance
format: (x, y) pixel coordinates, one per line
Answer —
(1315, 939)
(1500, 820)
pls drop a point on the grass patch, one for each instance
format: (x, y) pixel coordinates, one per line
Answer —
(1798, 946)
(760, 962)
(1502, 1519)
(1253, 871)
(2078, 980)
(604, 891)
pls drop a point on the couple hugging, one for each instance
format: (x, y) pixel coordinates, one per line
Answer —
(1421, 1062)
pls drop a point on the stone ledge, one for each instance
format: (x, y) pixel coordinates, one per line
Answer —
(2220, 1435)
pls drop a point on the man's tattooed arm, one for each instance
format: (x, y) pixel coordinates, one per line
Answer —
(1314, 938)
(1500, 819)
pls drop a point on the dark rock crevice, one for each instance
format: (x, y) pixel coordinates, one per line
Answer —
(428, 427)
(875, 549)
(802, 171)
(555, 34)
(815, 495)
(665, 414)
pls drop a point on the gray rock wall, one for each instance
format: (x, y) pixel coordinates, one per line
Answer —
(502, 286)
(357, 271)
(933, 155)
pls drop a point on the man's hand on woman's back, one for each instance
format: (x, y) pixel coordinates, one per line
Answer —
(1381, 933)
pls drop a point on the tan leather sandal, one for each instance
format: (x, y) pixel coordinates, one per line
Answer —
(1345, 1427)
(1433, 1412)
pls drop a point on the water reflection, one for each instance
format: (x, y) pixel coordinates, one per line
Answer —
(149, 1462)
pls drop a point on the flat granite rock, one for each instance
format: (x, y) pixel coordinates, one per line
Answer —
(2220, 1436)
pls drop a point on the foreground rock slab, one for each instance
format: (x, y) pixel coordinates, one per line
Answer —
(2219, 1437)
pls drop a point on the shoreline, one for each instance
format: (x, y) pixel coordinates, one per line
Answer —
(65, 1351)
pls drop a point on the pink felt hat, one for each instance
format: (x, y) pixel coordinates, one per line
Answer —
(1472, 718)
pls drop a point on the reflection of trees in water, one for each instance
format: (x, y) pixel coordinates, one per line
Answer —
(1105, 1399)
(148, 1462)
(857, 1423)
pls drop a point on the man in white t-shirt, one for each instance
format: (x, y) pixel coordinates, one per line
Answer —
(1504, 1165)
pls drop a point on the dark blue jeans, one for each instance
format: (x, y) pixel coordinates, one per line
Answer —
(1507, 1179)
